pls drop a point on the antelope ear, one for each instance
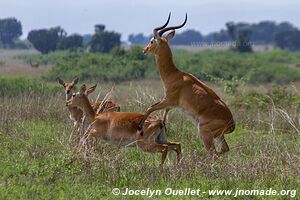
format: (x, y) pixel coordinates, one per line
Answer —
(91, 89)
(82, 90)
(75, 81)
(60, 81)
(170, 34)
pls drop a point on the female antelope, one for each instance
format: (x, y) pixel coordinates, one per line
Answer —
(122, 127)
(76, 113)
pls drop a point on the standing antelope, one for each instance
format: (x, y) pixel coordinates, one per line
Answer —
(76, 113)
(213, 117)
(122, 127)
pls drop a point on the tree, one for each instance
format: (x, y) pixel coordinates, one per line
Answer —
(288, 40)
(99, 27)
(187, 37)
(220, 36)
(10, 29)
(243, 41)
(104, 41)
(240, 36)
(231, 30)
(70, 42)
(46, 40)
(138, 39)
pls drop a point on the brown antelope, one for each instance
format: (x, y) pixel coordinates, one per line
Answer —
(76, 113)
(213, 117)
(36, 65)
(122, 127)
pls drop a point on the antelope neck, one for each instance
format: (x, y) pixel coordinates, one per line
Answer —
(164, 62)
(88, 109)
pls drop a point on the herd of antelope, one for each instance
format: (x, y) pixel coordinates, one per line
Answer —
(212, 116)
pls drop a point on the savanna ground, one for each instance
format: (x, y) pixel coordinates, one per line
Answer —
(37, 157)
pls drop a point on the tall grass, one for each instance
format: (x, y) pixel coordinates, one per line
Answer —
(36, 159)
(12, 86)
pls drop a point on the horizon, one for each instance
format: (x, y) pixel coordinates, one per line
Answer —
(81, 16)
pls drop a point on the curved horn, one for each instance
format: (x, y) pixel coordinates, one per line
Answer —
(163, 26)
(172, 27)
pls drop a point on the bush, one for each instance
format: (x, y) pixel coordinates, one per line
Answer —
(100, 67)
(208, 65)
(279, 96)
(256, 67)
(71, 42)
(104, 41)
(12, 86)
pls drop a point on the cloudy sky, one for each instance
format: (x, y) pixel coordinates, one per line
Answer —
(135, 16)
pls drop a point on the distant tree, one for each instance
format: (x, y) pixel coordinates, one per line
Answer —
(70, 42)
(285, 26)
(261, 32)
(220, 36)
(243, 41)
(240, 36)
(139, 38)
(288, 40)
(231, 30)
(10, 29)
(46, 40)
(104, 41)
(99, 27)
(187, 37)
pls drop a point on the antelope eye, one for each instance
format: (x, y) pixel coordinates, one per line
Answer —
(73, 95)
(151, 42)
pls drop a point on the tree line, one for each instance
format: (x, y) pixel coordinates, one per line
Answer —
(56, 38)
(283, 35)
(46, 40)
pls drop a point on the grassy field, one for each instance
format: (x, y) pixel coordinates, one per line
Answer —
(37, 157)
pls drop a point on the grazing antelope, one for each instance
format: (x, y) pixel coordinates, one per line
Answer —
(36, 65)
(76, 113)
(213, 117)
(122, 127)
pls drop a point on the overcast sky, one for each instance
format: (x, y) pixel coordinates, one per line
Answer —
(137, 16)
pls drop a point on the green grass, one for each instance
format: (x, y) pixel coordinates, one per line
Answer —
(36, 155)
(276, 66)
(38, 161)
(12, 86)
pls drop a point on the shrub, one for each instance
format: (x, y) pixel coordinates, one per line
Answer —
(120, 65)
(12, 86)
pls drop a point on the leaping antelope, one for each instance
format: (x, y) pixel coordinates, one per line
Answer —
(76, 113)
(122, 127)
(213, 117)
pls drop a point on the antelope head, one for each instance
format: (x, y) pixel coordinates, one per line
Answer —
(77, 98)
(158, 40)
(68, 86)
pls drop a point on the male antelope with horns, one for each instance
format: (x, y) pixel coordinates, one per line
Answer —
(212, 116)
